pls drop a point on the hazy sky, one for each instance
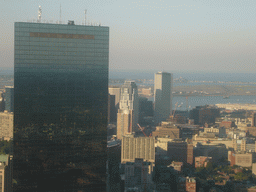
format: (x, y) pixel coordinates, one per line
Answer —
(184, 35)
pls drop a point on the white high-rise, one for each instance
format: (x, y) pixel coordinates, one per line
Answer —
(128, 113)
(162, 96)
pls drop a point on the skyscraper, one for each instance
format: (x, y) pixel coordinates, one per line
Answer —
(60, 107)
(162, 94)
(9, 95)
(128, 113)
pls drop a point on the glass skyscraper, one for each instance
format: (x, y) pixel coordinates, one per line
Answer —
(60, 107)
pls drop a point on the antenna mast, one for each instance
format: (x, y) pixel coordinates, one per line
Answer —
(39, 14)
(85, 16)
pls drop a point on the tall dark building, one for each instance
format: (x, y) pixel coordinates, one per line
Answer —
(253, 119)
(9, 95)
(204, 114)
(60, 107)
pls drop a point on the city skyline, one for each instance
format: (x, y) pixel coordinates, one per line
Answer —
(183, 36)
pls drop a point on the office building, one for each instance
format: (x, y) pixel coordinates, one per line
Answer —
(6, 125)
(111, 109)
(181, 151)
(137, 147)
(128, 113)
(5, 173)
(117, 92)
(9, 96)
(253, 119)
(162, 96)
(204, 114)
(241, 159)
(167, 130)
(139, 175)
(60, 106)
(145, 110)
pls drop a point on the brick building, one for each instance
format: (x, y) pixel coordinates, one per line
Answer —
(202, 161)
(187, 184)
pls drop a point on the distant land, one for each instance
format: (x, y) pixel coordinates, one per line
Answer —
(199, 76)
(149, 74)
(6, 71)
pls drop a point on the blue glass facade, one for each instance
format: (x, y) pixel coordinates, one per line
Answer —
(60, 107)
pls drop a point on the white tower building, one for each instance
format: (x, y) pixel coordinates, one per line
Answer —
(128, 113)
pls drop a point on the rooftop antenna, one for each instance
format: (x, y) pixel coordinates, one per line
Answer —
(60, 13)
(39, 14)
(85, 16)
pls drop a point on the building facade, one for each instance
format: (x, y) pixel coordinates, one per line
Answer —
(6, 125)
(137, 147)
(5, 173)
(162, 96)
(139, 175)
(187, 184)
(9, 98)
(202, 161)
(128, 113)
(60, 106)
(181, 151)
(117, 92)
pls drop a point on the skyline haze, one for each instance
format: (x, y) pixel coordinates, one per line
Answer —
(185, 36)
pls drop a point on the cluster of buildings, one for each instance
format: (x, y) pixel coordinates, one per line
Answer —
(6, 113)
(59, 113)
(174, 139)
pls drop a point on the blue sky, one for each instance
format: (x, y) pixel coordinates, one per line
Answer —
(184, 35)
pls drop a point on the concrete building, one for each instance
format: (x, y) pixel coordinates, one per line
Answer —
(161, 146)
(9, 98)
(253, 124)
(167, 130)
(60, 105)
(5, 173)
(218, 131)
(181, 151)
(6, 125)
(241, 158)
(147, 92)
(117, 92)
(254, 168)
(214, 150)
(128, 113)
(139, 175)
(137, 147)
(162, 96)
(177, 166)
